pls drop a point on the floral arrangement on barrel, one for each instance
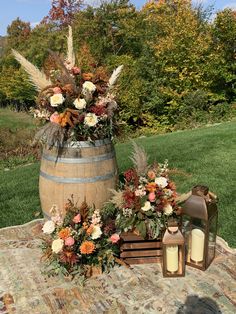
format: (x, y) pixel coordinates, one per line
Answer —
(81, 243)
(147, 198)
(78, 105)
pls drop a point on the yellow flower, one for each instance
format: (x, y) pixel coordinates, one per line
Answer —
(56, 100)
(80, 103)
(88, 86)
(146, 206)
(57, 245)
(90, 119)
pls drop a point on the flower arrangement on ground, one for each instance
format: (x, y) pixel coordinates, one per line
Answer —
(146, 199)
(78, 105)
(79, 242)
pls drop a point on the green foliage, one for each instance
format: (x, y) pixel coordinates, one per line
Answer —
(178, 64)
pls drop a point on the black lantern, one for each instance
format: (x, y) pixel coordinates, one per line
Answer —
(173, 252)
(200, 216)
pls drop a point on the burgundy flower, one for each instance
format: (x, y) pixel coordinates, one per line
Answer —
(130, 175)
(129, 198)
(99, 111)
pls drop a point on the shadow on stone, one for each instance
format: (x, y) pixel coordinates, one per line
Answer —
(196, 305)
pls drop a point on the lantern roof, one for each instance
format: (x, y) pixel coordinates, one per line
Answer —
(173, 236)
(200, 204)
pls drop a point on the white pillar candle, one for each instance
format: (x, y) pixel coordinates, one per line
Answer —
(172, 258)
(197, 245)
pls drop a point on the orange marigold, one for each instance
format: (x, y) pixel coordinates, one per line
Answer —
(64, 233)
(87, 247)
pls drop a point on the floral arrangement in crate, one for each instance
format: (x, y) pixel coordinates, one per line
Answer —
(147, 198)
(80, 243)
(78, 105)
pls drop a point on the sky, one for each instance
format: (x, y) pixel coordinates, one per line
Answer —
(34, 10)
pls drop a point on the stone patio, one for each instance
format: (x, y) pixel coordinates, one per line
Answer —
(142, 289)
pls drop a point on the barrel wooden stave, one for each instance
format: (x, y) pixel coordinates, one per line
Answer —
(86, 172)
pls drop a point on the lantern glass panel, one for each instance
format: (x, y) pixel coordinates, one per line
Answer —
(195, 233)
(212, 238)
(174, 259)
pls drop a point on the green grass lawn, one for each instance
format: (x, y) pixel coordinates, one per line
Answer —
(201, 156)
(15, 120)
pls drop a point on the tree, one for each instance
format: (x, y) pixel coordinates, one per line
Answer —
(62, 12)
(18, 31)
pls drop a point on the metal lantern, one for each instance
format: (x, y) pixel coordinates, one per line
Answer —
(200, 216)
(173, 250)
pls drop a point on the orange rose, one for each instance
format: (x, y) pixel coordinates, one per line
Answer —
(64, 233)
(87, 247)
(151, 174)
(87, 76)
(90, 230)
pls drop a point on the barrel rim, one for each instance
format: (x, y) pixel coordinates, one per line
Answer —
(78, 144)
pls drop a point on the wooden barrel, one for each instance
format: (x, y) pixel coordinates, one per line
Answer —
(86, 170)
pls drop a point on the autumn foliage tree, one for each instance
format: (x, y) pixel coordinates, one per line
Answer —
(179, 65)
(62, 12)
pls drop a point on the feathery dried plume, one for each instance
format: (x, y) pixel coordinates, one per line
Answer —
(139, 159)
(117, 198)
(70, 50)
(52, 134)
(37, 77)
(114, 76)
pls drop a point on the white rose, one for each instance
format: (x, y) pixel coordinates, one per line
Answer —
(168, 209)
(90, 119)
(56, 100)
(57, 245)
(80, 103)
(88, 86)
(96, 233)
(161, 182)
(146, 206)
(48, 227)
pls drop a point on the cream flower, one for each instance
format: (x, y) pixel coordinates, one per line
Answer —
(90, 119)
(48, 227)
(146, 206)
(57, 245)
(80, 103)
(96, 233)
(56, 100)
(161, 182)
(88, 86)
(168, 209)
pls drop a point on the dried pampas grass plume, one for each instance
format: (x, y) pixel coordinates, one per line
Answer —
(37, 77)
(70, 50)
(114, 76)
(139, 159)
(117, 198)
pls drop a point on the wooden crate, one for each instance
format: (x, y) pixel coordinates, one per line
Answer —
(135, 250)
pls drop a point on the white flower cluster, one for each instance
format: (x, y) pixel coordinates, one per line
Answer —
(42, 114)
(96, 221)
(127, 212)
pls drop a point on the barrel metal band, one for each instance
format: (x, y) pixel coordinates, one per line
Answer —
(77, 180)
(46, 215)
(78, 160)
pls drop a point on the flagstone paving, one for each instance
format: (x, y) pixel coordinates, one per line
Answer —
(142, 289)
